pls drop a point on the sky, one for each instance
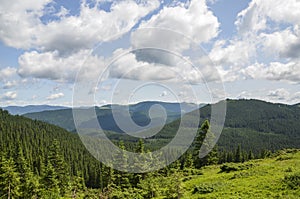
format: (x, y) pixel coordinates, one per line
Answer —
(95, 52)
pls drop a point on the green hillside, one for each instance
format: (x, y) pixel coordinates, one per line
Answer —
(277, 177)
(255, 125)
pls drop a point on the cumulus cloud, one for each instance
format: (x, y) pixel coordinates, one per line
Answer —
(267, 45)
(10, 95)
(232, 53)
(279, 94)
(256, 15)
(92, 26)
(129, 67)
(50, 65)
(174, 29)
(55, 96)
(10, 84)
(274, 71)
(7, 73)
(284, 44)
(23, 27)
(276, 95)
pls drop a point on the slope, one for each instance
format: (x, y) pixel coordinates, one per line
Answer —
(277, 177)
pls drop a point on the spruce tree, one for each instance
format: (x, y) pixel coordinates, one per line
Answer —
(10, 185)
(205, 139)
(238, 154)
(29, 182)
(120, 160)
(56, 159)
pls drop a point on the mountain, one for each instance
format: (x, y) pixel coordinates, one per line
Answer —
(255, 125)
(139, 113)
(20, 110)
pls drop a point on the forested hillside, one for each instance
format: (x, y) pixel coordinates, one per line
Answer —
(39, 160)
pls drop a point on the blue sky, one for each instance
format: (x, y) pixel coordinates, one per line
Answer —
(134, 50)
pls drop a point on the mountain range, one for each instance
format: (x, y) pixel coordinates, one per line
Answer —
(139, 113)
(20, 110)
(254, 124)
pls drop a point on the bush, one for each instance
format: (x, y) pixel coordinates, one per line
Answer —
(283, 157)
(204, 189)
(292, 181)
(235, 167)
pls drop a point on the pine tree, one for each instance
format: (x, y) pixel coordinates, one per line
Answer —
(205, 139)
(188, 161)
(77, 185)
(9, 179)
(50, 181)
(29, 182)
(120, 160)
(250, 155)
(238, 154)
(56, 159)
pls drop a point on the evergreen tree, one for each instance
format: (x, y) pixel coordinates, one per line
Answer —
(29, 182)
(50, 180)
(205, 139)
(56, 159)
(10, 186)
(120, 160)
(188, 161)
(250, 155)
(238, 154)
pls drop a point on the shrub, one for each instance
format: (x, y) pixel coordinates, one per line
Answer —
(292, 181)
(204, 189)
(235, 167)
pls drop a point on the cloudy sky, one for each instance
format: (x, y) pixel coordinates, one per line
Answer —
(133, 50)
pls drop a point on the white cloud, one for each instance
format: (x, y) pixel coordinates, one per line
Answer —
(92, 26)
(232, 53)
(255, 17)
(50, 65)
(276, 95)
(128, 67)
(274, 71)
(196, 24)
(22, 27)
(279, 94)
(10, 84)
(10, 95)
(285, 43)
(267, 46)
(55, 96)
(7, 73)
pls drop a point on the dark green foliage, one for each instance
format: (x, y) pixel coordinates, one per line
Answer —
(205, 140)
(234, 167)
(238, 154)
(10, 185)
(204, 189)
(292, 181)
(37, 141)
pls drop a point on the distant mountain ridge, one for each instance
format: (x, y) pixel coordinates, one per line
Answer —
(20, 110)
(139, 113)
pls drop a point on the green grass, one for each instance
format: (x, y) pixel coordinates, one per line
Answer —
(267, 178)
